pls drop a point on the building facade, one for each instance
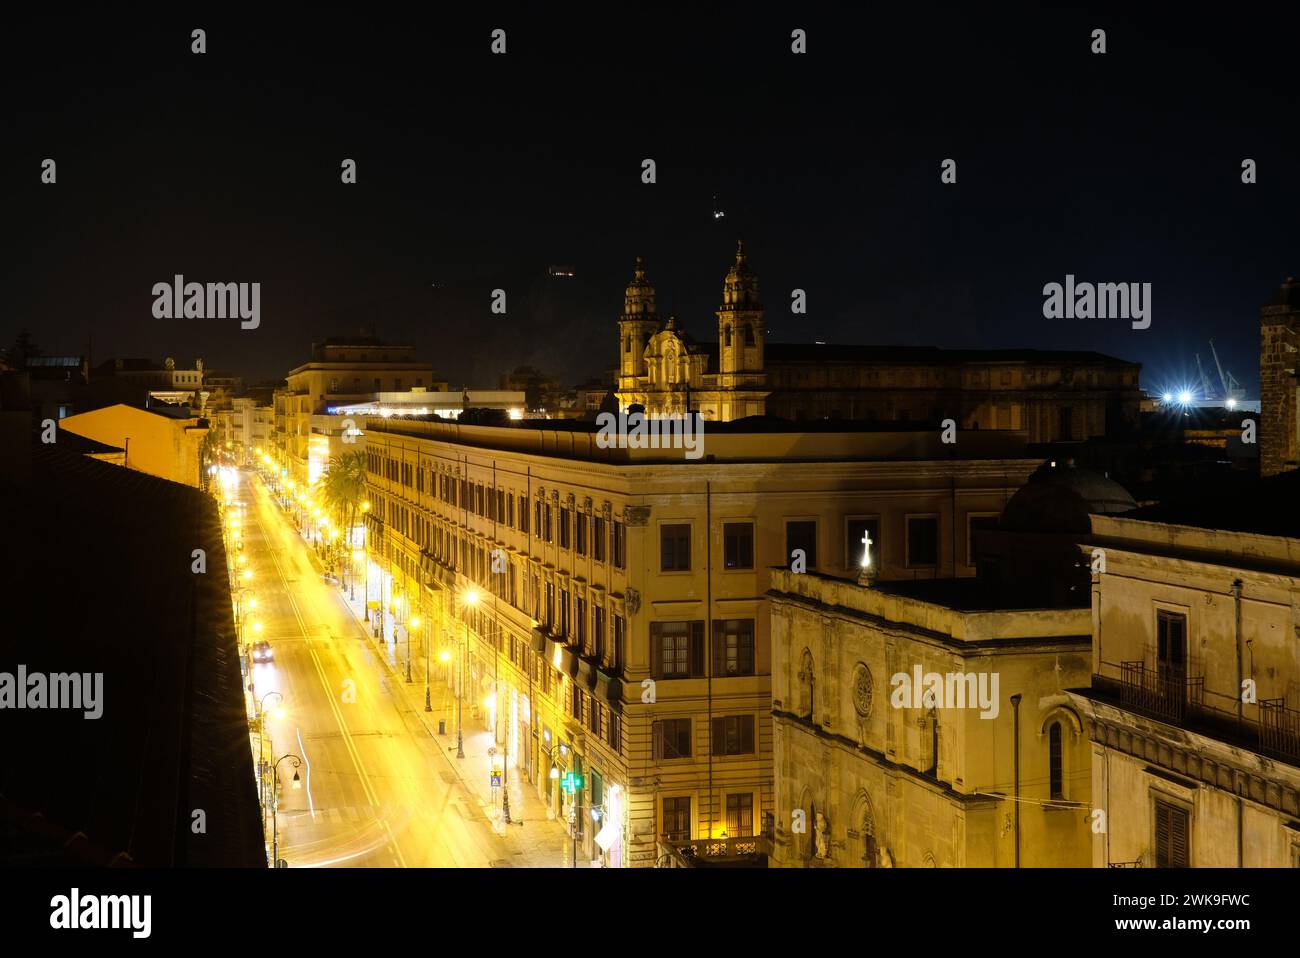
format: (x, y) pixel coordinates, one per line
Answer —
(169, 447)
(1051, 396)
(341, 370)
(608, 608)
(1192, 710)
(871, 771)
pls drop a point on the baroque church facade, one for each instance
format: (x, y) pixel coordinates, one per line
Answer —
(1050, 395)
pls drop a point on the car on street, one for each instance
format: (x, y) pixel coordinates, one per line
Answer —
(262, 651)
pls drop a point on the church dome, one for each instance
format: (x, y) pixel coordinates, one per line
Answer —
(639, 298)
(740, 288)
(1059, 498)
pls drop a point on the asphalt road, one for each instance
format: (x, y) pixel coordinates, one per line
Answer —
(376, 789)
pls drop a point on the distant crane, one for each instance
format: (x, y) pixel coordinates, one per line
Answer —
(1229, 391)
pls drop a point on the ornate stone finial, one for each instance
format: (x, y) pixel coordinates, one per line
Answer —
(672, 322)
(740, 251)
(638, 270)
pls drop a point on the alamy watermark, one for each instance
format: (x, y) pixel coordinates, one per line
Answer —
(182, 300)
(58, 690)
(639, 431)
(954, 690)
(1098, 301)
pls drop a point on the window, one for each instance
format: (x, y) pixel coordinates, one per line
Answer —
(617, 545)
(593, 718)
(740, 815)
(564, 612)
(598, 631)
(677, 650)
(564, 528)
(580, 617)
(749, 335)
(550, 604)
(523, 514)
(598, 538)
(677, 819)
(1171, 645)
(548, 533)
(675, 548)
(1172, 824)
(922, 540)
(672, 738)
(620, 634)
(577, 703)
(855, 549)
(733, 647)
(802, 534)
(975, 524)
(613, 732)
(733, 735)
(1055, 779)
(580, 534)
(737, 545)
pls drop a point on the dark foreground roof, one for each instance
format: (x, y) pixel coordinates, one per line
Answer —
(97, 566)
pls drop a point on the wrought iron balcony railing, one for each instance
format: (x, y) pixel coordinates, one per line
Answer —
(1279, 728)
(1162, 693)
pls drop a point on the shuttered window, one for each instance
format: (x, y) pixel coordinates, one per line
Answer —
(1172, 827)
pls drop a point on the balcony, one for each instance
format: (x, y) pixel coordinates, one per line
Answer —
(1279, 728)
(739, 852)
(1162, 694)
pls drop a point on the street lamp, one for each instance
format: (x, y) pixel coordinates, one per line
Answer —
(261, 740)
(275, 804)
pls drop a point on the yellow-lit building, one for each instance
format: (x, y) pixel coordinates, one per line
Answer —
(870, 774)
(621, 630)
(341, 370)
(166, 446)
(1192, 710)
(1050, 395)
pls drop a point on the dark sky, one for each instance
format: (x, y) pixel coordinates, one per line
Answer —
(477, 171)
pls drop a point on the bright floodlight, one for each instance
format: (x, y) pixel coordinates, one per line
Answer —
(471, 597)
(1168, 397)
(1184, 397)
(1231, 404)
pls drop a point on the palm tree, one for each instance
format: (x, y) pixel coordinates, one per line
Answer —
(343, 489)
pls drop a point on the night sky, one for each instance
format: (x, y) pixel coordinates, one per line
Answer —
(477, 171)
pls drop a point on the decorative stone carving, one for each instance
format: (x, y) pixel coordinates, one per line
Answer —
(636, 515)
(863, 689)
(821, 836)
(633, 601)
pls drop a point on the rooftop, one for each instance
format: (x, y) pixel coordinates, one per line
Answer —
(172, 736)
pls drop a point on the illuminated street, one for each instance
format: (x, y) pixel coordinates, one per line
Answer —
(375, 790)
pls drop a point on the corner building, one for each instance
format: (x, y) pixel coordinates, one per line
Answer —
(623, 632)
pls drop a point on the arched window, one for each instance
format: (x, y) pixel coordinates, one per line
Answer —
(1054, 761)
(749, 335)
(806, 684)
(726, 336)
(867, 832)
(627, 344)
